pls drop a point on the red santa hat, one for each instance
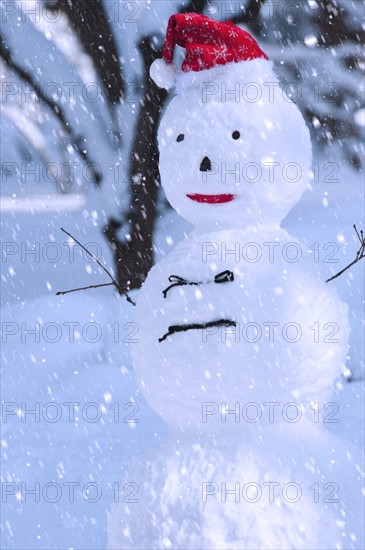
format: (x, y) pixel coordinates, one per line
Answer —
(208, 44)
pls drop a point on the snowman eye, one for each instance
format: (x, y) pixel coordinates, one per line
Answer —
(180, 137)
(236, 134)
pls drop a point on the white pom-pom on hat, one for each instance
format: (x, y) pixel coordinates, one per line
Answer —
(163, 74)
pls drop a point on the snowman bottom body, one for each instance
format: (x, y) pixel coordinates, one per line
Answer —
(277, 492)
(235, 328)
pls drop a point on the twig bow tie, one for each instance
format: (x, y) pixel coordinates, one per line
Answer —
(224, 277)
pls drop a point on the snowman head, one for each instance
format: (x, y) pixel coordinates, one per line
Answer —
(234, 150)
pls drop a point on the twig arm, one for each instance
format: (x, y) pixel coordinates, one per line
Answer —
(92, 256)
(359, 255)
(113, 283)
(344, 269)
(62, 293)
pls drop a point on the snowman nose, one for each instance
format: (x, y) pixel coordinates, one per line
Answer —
(206, 165)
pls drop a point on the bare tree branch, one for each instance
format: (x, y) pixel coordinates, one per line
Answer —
(89, 19)
(53, 105)
(331, 22)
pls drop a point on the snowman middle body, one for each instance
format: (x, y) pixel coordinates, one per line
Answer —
(270, 333)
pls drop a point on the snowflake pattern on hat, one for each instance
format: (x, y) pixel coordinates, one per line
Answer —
(208, 43)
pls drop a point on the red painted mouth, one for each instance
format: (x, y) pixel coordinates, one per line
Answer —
(212, 199)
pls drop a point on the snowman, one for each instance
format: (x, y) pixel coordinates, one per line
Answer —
(240, 339)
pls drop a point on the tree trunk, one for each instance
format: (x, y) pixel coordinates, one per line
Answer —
(134, 257)
(90, 22)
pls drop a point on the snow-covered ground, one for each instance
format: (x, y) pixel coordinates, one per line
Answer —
(78, 358)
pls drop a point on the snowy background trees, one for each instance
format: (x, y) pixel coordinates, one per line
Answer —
(79, 116)
(80, 111)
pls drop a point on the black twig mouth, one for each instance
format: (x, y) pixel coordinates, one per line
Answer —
(173, 329)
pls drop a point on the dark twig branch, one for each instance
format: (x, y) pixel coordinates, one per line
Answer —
(91, 255)
(62, 293)
(359, 255)
(113, 283)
